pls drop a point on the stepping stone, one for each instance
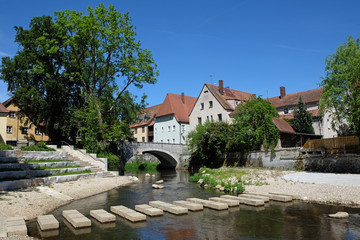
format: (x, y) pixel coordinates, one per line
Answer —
(279, 198)
(189, 205)
(76, 219)
(3, 231)
(47, 222)
(16, 226)
(264, 198)
(157, 186)
(159, 181)
(168, 207)
(294, 196)
(209, 204)
(149, 210)
(128, 213)
(229, 202)
(102, 216)
(240, 199)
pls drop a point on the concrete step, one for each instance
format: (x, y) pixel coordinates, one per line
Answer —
(9, 166)
(274, 197)
(8, 160)
(47, 222)
(245, 200)
(16, 226)
(168, 207)
(102, 216)
(264, 198)
(128, 213)
(7, 153)
(229, 202)
(76, 219)
(51, 164)
(9, 175)
(189, 205)
(209, 204)
(149, 210)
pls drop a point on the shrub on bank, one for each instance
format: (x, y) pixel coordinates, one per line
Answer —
(40, 146)
(5, 147)
(138, 166)
(112, 159)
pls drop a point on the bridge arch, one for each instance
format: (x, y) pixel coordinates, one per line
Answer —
(167, 160)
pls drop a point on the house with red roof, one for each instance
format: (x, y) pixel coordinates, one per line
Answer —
(172, 120)
(143, 130)
(285, 103)
(216, 103)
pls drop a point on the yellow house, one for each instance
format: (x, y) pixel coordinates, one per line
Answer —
(3, 120)
(19, 130)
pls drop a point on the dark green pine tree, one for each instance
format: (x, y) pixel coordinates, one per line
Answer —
(302, 121)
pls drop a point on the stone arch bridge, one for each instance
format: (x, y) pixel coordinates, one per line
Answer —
(170, 155)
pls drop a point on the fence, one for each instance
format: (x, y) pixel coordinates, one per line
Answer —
(348, 144)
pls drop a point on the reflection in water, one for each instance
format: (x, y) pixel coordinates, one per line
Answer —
(296, 220)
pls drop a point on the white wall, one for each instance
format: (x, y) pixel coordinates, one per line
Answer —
(207, 113)
(177, 133)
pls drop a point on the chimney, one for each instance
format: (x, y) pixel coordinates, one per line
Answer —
(221, 87)
(183, 98)
(282, 92)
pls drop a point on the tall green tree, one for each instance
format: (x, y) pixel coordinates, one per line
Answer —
(341, 87)
(75, 69)
(253, 126)
(302, 121)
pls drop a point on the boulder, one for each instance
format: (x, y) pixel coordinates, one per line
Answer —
(156, 186)
(147, 175)
(201, 181)
(339, 215)
(159, 181)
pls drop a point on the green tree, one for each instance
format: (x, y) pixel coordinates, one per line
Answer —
(208, 144)
(253, 126)
(341, 87)
(75, 69)
(302, 121)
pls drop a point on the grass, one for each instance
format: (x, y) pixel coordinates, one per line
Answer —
(45, 161)
(70, 173)
(138, 167)
(58, 167)
(5, 147)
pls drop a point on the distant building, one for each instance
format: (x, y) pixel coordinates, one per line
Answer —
(3, 121)
(216, 103)
(20, 131)
(172, 120)
(144, 130)
(285, 104)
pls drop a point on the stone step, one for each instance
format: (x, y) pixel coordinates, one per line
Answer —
(76, 219)
(47, 222)
(294, 196)
(244, 200)
(16, 226)
(229, 202)
(209, 204)
(3, 231)
(273, 197)
(128, 213)
(102, 216)
(264, 198)
(7, 153)
(9, 166)
(168, 207)
(189, 205)
(12, 175)
(8, 160)
(149, 210)
(51, 164)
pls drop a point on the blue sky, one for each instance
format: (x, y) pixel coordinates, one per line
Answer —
(253, 45)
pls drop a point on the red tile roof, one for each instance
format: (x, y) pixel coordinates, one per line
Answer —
(3, 109)
(290, 100)
(283, 125)
(173, 104)
(229, 94)
(314, 113)
(147, 116)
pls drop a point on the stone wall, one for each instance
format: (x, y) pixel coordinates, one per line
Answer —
(340, 163)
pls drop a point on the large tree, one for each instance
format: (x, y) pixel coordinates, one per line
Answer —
(73, 71)
(253, 126)
(302, 121)
(341, 87)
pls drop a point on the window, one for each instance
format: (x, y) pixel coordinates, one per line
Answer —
(211, 118)
(206, 92)
(173, 140)
(286, 110)
(135, 130)
(199, 120)
(155, 130)
(210, 104)
(9, 129)
(162, 129)
(143, 139)
(182, 128)
(168, 140)
(220, 117)
(143, 129)
(207, 118)
(328, 124)
(25, 130)
(173, 128)
(201, 106)
(37, 131)
(135, 139)
(169, 128)
(12, 115)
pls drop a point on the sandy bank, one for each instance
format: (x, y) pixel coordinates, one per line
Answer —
(36, 201)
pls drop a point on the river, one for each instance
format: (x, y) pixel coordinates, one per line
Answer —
(296, 220)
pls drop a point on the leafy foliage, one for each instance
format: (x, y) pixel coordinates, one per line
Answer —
(72, 72)
(41, 146)
(112, 160)
(138, 166)
(5, 147)
(253, 126)
(341, 88)
(302, 121)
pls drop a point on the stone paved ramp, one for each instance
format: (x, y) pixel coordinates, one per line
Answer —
(325, 178)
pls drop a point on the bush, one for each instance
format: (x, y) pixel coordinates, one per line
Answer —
(137, 167)
(41, 146)
(5, 147)
(112, 160)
